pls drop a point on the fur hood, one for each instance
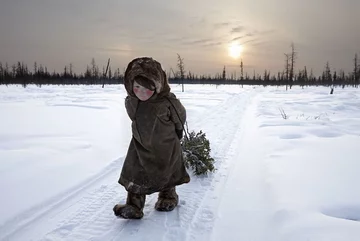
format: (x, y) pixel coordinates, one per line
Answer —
(149, 68)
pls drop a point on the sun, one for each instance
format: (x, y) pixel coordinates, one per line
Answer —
(235, 50)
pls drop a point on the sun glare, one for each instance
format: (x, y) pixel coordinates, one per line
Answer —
(235, 50)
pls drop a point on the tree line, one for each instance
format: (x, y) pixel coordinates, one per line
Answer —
(19, 73)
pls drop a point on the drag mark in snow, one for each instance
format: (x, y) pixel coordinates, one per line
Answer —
(201, 216)
(89, 218)
(54, 209)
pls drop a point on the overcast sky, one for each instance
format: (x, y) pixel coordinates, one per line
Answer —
(56, 33)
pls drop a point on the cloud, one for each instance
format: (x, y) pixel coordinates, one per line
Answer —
(243, 36)
(266, 32)
(238, 29)
(221, 25)
(205, 42)
(197, 42)
(251, 41)
(116, 50)
(212, 44)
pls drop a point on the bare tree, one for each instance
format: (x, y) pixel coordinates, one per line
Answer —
(181, 66)
(35, 69)
(292, 64)
(65, 74)
(287, 67)
(305, 76)
(328, 77)
(224, 73)
(13, 67)
(94, 69)
(1, 73)
(241, 70)
(105, 72)
(110, 73)
(71, 70)
(356, 71)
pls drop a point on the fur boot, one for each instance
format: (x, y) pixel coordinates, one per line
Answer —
(167, 200)
(133, 209)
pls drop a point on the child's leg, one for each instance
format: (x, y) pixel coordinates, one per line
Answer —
(133, 209)
(167, 200)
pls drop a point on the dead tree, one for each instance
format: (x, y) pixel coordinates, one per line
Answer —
(293, 56)
(181, 66)
(241, 70)
(105, 73)
(328, 77)
(356, 71)
(224, 74)
(287, 67)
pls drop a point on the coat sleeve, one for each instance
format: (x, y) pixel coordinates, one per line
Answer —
(131, 106)
(177, 114)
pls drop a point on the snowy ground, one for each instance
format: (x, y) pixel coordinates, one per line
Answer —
(278, 179)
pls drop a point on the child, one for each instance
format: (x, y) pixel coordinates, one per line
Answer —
(154, 161)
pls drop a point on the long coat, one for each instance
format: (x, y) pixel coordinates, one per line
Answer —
(154, 160)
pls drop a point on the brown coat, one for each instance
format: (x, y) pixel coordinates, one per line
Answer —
(154, 161)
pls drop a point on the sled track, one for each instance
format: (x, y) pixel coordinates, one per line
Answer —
(86, 213)
(193, 215)
(44, 210)
(224, 148)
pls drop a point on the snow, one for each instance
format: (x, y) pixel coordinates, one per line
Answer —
(277, 179)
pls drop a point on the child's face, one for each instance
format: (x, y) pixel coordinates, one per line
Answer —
(141, 92)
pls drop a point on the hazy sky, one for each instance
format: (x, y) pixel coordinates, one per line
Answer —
(56, 33)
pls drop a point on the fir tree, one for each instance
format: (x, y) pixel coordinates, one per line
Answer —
(196, 149)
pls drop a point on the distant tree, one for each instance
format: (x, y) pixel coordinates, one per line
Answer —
(241, 70)
(287, 69)
(105, 72)
(311, 76)
(224, 73)
(118, 73)
(328, 77)
(306, 77)
(35, 69)
(110, 73)
(1, 74)
(292, 63)
(71, 70)
(181, 66)
(65, 74)
(356, 71)
(278, 78)
(94, 69)
(190, 76)
(13, 73)
(41, 71)
(88, 74)
(7, 74)
(181, 70)
(266, 77)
